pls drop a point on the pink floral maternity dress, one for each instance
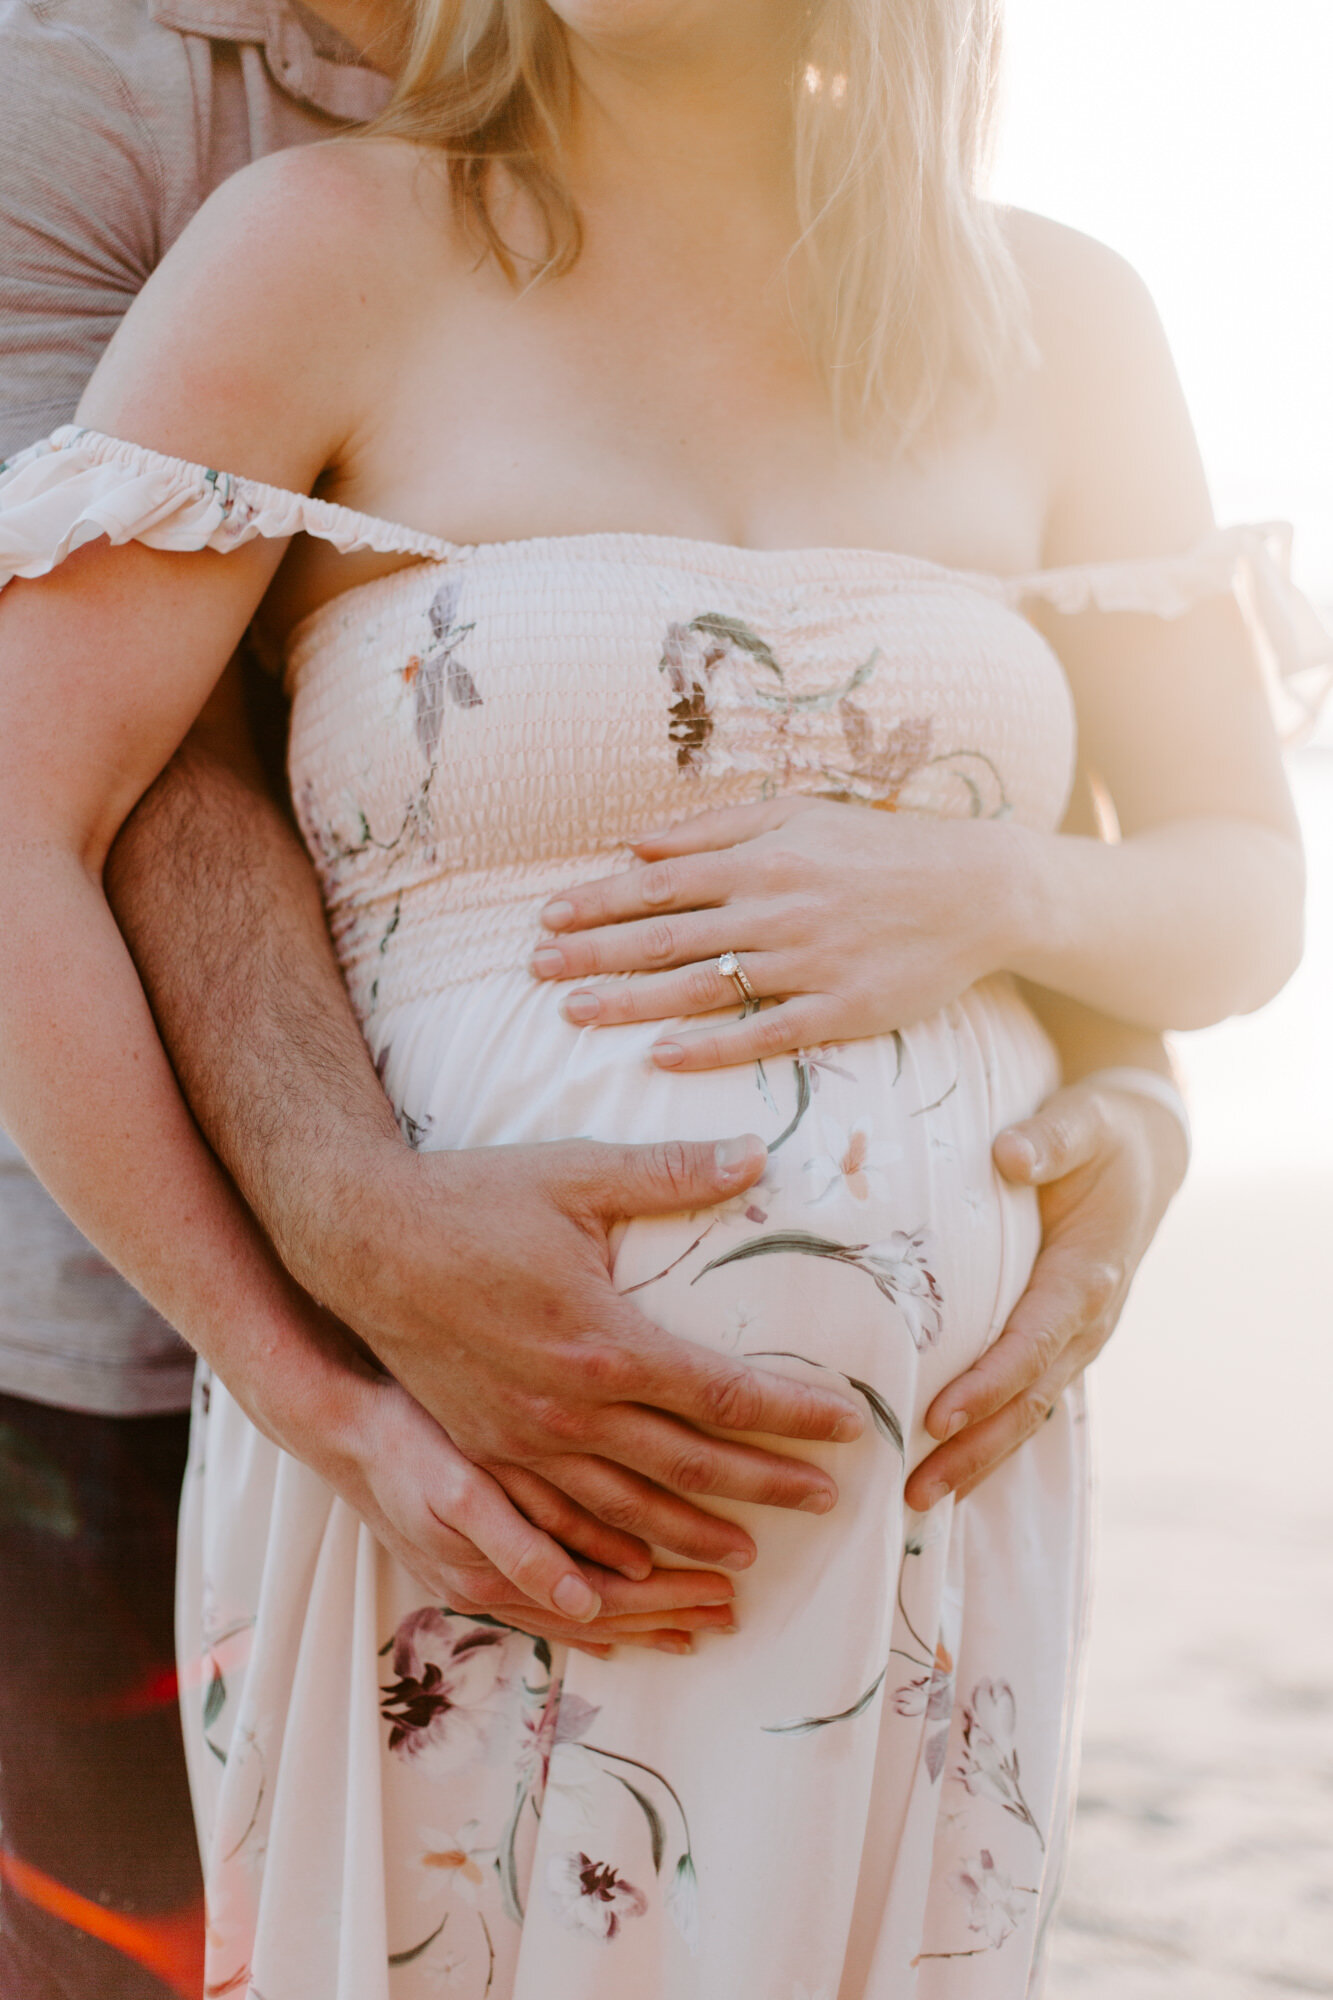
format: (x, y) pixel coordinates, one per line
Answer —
(865, 1794)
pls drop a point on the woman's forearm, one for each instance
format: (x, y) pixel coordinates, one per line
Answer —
(1178, 926)
(89, 1095)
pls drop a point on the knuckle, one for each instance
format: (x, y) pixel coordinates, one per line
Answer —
(657, 883)
(1033, 1408)
(732, 1401)
(463, 1508)
(659, 943)
(703, 987)
(692, 1468)
(769, 1032)
(558, 1419)
(618, 1507)
(1101, 1286)
(526, 1569)
(672, 1159)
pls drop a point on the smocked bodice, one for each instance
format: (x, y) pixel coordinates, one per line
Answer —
(472, 733)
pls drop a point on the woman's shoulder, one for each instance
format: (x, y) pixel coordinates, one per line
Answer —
(1085, 298)
(1123, 465)
(322, 218)
(268, 325)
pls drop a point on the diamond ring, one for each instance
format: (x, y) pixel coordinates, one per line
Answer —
(730, 968)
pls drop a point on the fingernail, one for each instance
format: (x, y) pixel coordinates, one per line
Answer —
(581, 1007)
(956, 1423)
(667, 1054)
(730, 1154)
(737, 1559)
(820, 1502)
(1025, 1155)
(849, 1428)
(930, 1495)
(727, 1630)
(547, 960)
(575, 1598)
(674, 1642)
(556, 915)
(642, 839)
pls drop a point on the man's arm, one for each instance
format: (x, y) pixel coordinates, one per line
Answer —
(480, 1280)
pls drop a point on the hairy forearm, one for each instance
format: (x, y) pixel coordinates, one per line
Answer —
(1176, 927)
(217, 901)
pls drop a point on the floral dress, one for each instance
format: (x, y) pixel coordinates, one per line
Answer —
(865, 1793)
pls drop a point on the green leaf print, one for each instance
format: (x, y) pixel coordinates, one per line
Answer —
(656, 1830)
(802, 1106)
(736, 632)
(884, 1419)
(804, 1725)
(885, 1422)
(406, 1957)
(216, 1698)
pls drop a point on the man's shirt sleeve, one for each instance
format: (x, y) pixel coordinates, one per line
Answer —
(82, 191)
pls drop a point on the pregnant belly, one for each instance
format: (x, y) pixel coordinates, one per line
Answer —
(880, 1233)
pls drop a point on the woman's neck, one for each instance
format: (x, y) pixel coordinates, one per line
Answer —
(695, 112)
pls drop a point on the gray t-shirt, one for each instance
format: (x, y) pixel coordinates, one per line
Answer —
(117, 119)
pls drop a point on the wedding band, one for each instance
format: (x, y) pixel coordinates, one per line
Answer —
(730, 968)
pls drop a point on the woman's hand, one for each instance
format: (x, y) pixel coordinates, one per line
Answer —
(1107, 1164)
(456, 1530)
(855, 921)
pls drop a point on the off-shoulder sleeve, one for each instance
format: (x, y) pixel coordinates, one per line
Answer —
(78, 485)
(1253, 564)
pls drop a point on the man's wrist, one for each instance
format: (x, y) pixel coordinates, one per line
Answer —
(346, 1215)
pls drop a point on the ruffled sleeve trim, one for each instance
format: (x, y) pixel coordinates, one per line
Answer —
(78, 485)
(1251, 563)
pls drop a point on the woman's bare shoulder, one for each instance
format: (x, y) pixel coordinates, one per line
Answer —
(1124, 463)
(265, 326)
(1086, 299)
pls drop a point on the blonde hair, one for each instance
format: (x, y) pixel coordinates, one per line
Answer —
(901, 280)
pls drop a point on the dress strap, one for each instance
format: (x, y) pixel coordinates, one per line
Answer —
(1251, 563)
(78, 485)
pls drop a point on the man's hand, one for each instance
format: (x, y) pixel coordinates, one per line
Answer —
(450, 1524)
(481, 1279)
(1107, 1164)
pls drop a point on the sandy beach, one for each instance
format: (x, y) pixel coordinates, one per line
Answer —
(1203, 1854)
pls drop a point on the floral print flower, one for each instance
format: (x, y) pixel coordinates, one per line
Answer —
(990, 1757)
(705, 667)
(562, 1718)
(441, 1707)
(682, 1900)
(899, 1267)
(818, 1062)
(931, 1695)
(455, 1858)
(996, 1908)
(886, 767)
(592, 1896)
(853, 1160)
(440, 673)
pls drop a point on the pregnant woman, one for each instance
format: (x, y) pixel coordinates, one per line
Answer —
(708, 479)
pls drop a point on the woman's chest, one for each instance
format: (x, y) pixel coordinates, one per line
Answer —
(554, 697)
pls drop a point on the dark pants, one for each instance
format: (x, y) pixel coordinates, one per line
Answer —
(100, 1894)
